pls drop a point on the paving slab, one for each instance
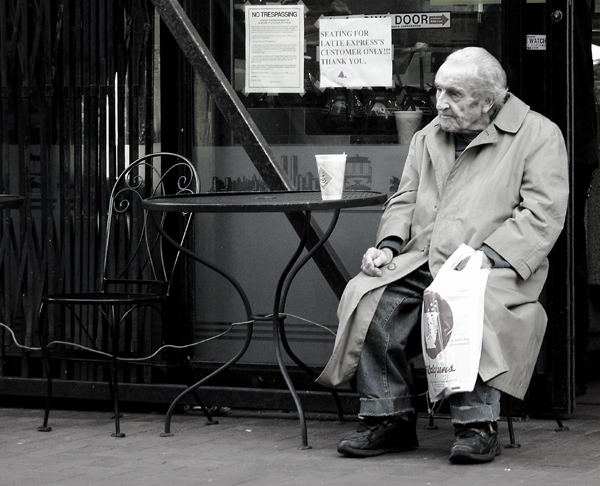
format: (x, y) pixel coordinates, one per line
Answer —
(261, 448)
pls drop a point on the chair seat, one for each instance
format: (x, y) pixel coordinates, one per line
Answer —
(107, 298)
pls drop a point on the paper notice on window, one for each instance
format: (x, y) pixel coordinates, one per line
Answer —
(274, 49)
(355, 52)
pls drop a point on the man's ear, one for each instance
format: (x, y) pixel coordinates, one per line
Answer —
(488, 105)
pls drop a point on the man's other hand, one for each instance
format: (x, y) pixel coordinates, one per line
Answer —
(375, 258)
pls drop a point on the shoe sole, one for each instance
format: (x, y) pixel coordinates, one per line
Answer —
(460, 456)
(360, 453)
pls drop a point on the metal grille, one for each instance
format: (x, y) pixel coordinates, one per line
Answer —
(76, 104)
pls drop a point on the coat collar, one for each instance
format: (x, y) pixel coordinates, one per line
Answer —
(511, 115)
(509, 119)
(440, 144)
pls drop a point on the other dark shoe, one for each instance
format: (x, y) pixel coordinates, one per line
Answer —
(376, 437)
(475, 443)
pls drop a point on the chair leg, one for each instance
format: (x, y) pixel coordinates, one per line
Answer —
(430, 411)
(209, 418)
(45, 427)
(115, 394)
(511, 432)
(114, 371)
(46, 360)
(559, 425)
(430, 424)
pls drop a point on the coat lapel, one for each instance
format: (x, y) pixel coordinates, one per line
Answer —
(440, 147)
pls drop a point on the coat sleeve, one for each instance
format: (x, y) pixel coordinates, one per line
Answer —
(526, 238)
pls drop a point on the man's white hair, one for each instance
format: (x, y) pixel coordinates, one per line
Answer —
(490, 77)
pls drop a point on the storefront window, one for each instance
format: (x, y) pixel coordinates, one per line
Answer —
(354, 115)
(316, 117)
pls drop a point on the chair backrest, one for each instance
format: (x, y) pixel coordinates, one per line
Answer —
(134, 255)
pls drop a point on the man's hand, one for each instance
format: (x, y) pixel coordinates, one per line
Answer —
(375, 258)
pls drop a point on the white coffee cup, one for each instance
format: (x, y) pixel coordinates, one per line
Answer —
(331, 169)
(407, 123)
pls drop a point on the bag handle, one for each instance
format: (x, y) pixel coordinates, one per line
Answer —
(462, 252)
(474, 262)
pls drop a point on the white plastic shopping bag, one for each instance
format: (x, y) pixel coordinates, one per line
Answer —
(452, 324)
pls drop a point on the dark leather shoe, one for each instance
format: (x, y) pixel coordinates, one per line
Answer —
(373, 438)
(475, 443)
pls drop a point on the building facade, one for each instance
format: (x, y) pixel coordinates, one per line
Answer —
(250, 92)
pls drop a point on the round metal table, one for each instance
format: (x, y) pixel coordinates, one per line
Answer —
(262, 202)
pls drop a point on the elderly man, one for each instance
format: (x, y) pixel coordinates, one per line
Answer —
(490, 173)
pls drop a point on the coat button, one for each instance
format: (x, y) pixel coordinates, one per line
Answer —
(391, 266)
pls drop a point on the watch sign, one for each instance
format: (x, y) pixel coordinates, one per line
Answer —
(536, 42)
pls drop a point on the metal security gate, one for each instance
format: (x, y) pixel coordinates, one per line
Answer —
(76, 104)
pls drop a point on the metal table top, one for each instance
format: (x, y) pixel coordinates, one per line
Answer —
(248, 202)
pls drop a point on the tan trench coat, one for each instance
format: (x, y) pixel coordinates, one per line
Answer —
(509, 190)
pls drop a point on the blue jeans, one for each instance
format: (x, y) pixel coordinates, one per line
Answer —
(383, 370)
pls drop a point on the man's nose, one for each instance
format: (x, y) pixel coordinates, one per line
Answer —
(440, 103)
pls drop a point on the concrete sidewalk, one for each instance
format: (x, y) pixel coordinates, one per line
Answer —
(262, 449)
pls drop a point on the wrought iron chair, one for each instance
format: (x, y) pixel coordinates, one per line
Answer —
(136, 276)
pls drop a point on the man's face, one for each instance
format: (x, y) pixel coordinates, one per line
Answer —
(459, 111)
